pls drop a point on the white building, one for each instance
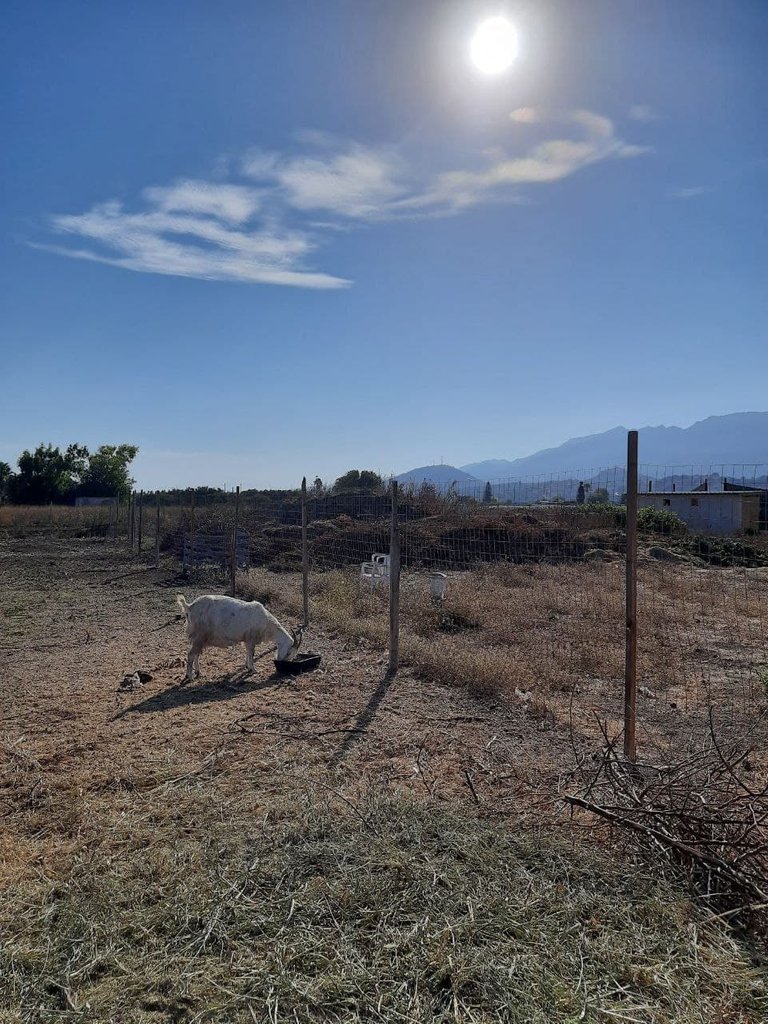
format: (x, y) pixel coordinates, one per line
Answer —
(708, 511)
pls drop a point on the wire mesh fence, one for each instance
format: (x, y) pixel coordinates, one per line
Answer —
(533, 575)
(703, 579)
(515, 588)
(532, 608)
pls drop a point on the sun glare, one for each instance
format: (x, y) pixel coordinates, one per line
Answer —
(494, 46)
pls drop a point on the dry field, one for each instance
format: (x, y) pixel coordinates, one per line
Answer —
(341, 846)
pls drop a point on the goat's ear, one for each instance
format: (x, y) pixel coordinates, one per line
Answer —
(297, 635)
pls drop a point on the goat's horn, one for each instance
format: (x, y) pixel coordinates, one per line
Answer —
(297, 635)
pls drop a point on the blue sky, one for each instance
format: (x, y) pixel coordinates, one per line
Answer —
(267, 239)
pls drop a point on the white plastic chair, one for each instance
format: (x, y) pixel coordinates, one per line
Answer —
(376, 571)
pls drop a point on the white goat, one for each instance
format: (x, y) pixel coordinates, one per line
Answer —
(218, 621)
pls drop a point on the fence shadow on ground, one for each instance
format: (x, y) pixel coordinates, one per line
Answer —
(363, 720)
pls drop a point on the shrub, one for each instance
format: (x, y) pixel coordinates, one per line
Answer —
(657, 520)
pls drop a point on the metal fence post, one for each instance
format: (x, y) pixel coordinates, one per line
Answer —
(630, 660)
(233, 559)
(394, 584)
(141, 518)
(304, 551)
(157, 536)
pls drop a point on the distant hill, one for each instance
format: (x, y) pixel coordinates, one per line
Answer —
(441, 476)
(735, 439)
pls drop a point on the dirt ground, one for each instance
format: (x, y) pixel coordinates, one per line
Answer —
(77, 616)
(124, 802)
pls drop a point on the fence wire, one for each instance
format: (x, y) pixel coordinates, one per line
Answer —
(703, 601)
(514, 588)
(532, 610)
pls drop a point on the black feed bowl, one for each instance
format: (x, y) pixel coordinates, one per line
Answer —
(301, 663)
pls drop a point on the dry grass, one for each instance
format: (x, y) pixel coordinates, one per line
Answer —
(556, 632)
(55, 520)
(184, 901)
(172, 883)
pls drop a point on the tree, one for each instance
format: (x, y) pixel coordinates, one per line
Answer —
(427, 498)
(600, 496)
(318, 488)
(5, 479)
(488, 494)
(580, 493)
(107, 472)
(359, 481)
(47, 474)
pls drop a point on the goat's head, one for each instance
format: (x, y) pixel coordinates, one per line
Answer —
(297, 635)
(288, 643)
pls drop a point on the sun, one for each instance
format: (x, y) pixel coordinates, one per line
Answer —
(494, 46)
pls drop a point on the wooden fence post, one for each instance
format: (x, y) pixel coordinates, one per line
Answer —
(192, 511)
(630, 661)
(304, 551)
(131, 513)
(233, 559)
(141, 518)
(394, 584)
(157, 536)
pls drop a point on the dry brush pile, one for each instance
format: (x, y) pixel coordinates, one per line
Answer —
(706, 812)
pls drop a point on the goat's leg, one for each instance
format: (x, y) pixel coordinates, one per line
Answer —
(250, 647)
(193, 663)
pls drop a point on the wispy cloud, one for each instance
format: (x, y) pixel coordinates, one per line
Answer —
(546, 162)
(525, 115)
(265, 226)
(688, 193)
(642, 112)
(232, 203)
(348, 179)
(185, 244)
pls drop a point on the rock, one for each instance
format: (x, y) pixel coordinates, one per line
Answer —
(131, 681)
(600, 555)
(646, 692)
(666, 555)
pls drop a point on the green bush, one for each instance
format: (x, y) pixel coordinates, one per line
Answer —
(657, 520)
(595, 509)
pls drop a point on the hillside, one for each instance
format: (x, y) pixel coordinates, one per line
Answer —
(739, 438)
(441, 476)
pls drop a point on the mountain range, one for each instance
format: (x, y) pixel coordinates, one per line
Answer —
(735, 440)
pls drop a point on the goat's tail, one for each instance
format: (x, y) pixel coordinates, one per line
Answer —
(181, 601)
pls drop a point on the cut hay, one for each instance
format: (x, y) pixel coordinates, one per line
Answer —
(180, 906)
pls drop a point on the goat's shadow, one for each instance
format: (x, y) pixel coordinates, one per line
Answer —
(363, 720)
(226, 687)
